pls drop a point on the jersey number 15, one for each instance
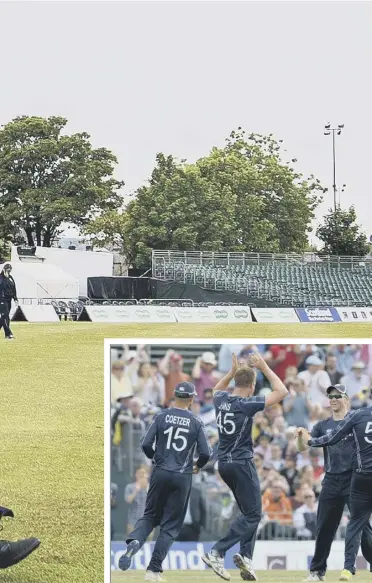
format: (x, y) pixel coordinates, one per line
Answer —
(176, 436)
(225, 424)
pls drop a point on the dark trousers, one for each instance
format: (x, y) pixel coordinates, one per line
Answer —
(189, 532)
(360, 514)
(5, 307)
(335, 494)
(166, 505)
(243, 481)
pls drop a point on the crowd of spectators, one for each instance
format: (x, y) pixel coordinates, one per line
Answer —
(290, 481)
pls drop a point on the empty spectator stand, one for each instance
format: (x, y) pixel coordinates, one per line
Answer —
(291, 279)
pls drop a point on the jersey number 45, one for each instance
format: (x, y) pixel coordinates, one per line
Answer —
(225, 424)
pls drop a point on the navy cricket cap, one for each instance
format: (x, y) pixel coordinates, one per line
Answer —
(185, 390)
(339, 388)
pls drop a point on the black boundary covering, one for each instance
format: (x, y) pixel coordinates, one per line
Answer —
(140, 288)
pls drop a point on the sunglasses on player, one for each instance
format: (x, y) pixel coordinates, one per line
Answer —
(335, 397)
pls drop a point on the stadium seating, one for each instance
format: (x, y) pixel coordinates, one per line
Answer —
(288, 280)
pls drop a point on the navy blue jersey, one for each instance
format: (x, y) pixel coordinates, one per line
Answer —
(338, 458)
(173, 437)
(359, 423)
(234, 417)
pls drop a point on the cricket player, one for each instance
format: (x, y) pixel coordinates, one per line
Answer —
(336, 485)
(12, 553)
(235, 411)
(359, 423)
(170, 441)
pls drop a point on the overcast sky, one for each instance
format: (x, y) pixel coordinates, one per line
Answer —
(177, 77)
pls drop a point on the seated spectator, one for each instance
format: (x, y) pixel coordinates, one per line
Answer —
(331, 368)
(208, 404)
(269, 476)
(258, 461)
(135, 495)
(297, 499)
(149, 387)
(356, 380)
(276, 504)
(346, 355)
(318, 468)
(171, 367)
(280, 357)
(307, 350)
(263, 445)
(289, 471)
(204, 374)
(316, 379)
(304, 518)
(278, 429)
(315, 415)
(260, 425)
(307, 477)
(296, 405)
(277, 457)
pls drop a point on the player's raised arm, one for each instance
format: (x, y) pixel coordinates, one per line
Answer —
(279, 390)
(223, 383)
(148, 440)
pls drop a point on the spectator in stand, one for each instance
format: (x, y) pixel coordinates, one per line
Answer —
(120, 383)
(316, 379)
(263, 446)
(171, 367)
(345, 355)
(259, 461)
(208, 404)
(195, 407)
(278, 429)
(290, 373)
(277, 457)
(135, 495)
(204, 374)
(225, 356)
(260, 425)
(307, 477)
(149, 386)
(296, 405)
(331, 368)
(356, 381)
(315, 415)
(304, 518)
(195, 516)
(277, 513)
(318, 468)
(307, 350)
(290, 472)
(297, 499)
(280, 357)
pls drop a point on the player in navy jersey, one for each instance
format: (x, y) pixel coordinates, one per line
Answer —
(335, 491)
(171, 441)
(359, 424)
(234, 412)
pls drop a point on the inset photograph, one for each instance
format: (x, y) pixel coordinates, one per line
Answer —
(239, 459)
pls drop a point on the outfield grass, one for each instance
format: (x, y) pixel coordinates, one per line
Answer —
(51, 439)
(275, 576)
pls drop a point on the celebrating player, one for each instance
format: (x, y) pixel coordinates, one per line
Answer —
(335, 491)
(235, 413)
(359, 424)
(176, 433)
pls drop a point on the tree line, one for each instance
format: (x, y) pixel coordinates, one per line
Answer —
(244, 196)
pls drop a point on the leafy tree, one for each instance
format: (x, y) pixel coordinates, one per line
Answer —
(242, 197)
(341, 235)
(47, 178)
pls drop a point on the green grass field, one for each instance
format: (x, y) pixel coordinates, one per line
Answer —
(51, 436)
(208, 576)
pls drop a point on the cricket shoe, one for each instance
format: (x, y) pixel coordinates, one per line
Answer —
(126, 559)
(346, 575)
(151, 576)
(216, 563)
(12, 553)
(314, 576)
(246, 567)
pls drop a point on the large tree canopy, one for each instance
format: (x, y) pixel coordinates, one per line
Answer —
(47, 179)
(242, 197)
(341, 235)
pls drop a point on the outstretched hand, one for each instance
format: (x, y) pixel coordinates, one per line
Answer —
(235, 364)
(256, 361)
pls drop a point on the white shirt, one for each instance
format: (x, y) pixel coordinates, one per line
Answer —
(316, 384)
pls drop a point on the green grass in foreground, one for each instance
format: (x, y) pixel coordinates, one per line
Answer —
(275, 576)
(51, 436)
